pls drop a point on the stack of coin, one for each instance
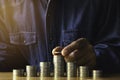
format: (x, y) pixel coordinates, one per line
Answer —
(58, 65)
(96, 74)
(44, 69)
(31, 71)
(18, 72)
(71, 69)
(83, 71)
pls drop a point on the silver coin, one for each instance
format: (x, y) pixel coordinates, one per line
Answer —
(71, 69)
(18, 72)
(96, 74)
(58, 62)
(44, 69)
(83, 71)
(31, 71)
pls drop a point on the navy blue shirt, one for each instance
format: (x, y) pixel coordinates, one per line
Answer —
(96, 20)
(59, 22)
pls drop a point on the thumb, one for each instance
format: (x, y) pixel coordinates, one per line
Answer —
(57, 50)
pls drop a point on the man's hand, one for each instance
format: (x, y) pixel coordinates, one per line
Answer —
(79, 51)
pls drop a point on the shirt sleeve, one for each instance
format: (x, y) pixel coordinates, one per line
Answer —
(107, 37)
(107, 50)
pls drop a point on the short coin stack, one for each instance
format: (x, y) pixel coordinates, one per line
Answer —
(96, 74)
(58, 62)
(18, 72)
(44, 69)
(71, 69)
(31, 71)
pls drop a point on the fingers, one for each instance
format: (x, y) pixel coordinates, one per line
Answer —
(57, 50)
(86, 56)
(72, 56)
(87, 60)
(79, 51)
(78, 44)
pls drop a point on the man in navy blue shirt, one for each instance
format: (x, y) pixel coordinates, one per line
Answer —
(86, 31)
(89, 32)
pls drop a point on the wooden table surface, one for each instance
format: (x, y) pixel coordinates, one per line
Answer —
(9, 76)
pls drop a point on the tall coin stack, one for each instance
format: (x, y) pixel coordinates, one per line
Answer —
(83, 71)
(58, 62)
(44, 69)
(71, 69)
(31, 71)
